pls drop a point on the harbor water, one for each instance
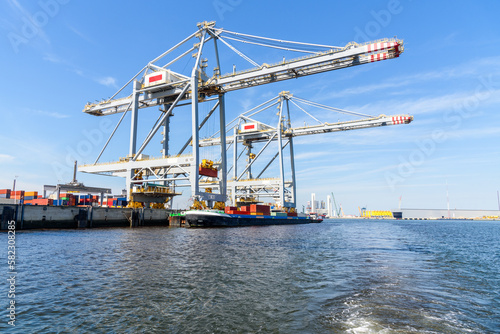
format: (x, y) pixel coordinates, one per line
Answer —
(341, 276)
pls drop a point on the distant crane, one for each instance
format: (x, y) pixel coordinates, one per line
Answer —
(341, 211)
(337, 210)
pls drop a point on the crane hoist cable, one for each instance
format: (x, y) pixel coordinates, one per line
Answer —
(270, 46)
(241, 54)
(280, 40)
(318, 105)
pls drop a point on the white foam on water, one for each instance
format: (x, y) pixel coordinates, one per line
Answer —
(451, 320)
(356, 319)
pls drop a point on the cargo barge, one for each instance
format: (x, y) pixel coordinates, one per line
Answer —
(257, 215)
(29, 217)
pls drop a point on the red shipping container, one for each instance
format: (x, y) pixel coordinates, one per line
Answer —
(236, 212)
(5, 191)
(207, 172)
(292, 214)
(265, 209)
(230, 208)
(42, 201)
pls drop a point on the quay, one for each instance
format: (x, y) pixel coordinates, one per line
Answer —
(72, 217)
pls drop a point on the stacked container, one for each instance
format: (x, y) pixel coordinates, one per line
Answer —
(4, 193)
(30, 195)
(257, 210)
(67, 199)
(117, 202)
(42, 201)
(233, 210)
(17, 194)
(279, 214)
(88, 200)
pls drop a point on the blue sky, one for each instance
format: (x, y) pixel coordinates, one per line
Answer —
(448, 78)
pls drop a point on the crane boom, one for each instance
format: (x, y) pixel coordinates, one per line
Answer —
(266, 135)
(351, 55)
(153, 95)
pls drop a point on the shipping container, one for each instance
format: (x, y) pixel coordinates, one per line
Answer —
(5, 192)
(207, 172)
(42, 201)
(265, 209)
(250, 127)
(230, 208)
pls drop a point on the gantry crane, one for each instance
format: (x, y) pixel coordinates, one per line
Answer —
(248, 132)
(157, 84)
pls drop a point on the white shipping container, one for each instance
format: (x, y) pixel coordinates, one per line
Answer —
(156, 78)
(250, 127)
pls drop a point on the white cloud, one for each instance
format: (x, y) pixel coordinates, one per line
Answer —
(80, 34)
(472, 69)
(20, 13)
(52, 114)
(50, 57)
(107, 81)
(478, 98)
(475, 133)
(6, 158)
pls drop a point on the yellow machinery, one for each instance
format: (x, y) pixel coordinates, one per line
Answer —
(219, 205)
(150, 195)
(377, 214)
(198, 205)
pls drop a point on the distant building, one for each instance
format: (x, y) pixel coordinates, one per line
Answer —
(445, 214)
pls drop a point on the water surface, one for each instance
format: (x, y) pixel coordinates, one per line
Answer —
(341, 276)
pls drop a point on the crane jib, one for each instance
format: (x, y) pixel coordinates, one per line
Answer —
(163, 84)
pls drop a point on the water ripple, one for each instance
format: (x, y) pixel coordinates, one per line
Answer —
(337, 277)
